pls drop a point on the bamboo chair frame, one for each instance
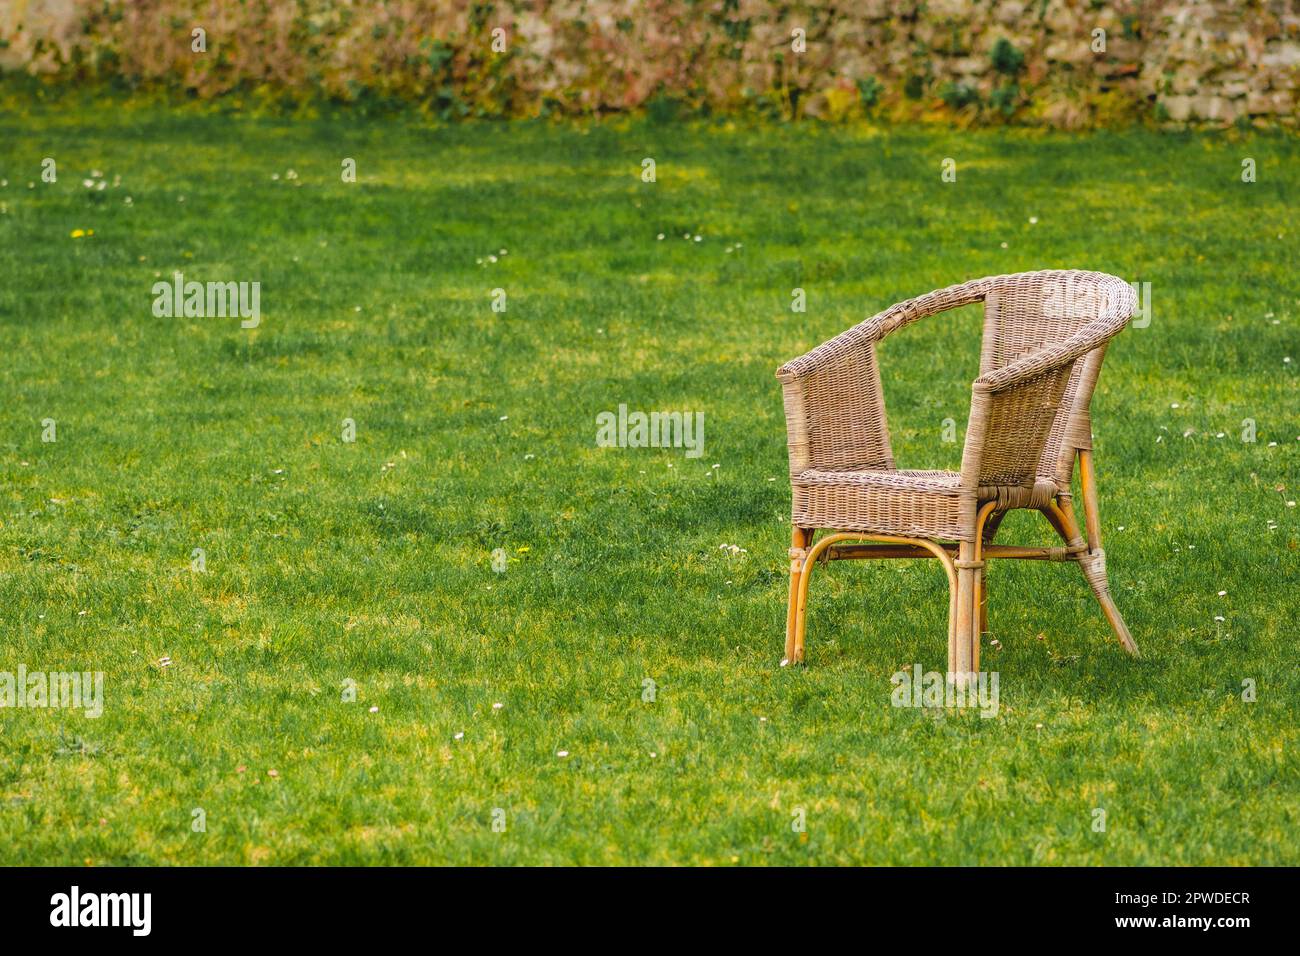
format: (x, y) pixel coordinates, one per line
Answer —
(1045, 335)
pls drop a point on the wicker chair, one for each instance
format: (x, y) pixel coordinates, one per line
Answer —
(1045, 334)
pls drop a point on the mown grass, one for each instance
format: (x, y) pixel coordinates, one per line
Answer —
(370, 561)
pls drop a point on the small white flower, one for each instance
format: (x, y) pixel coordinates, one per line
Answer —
(1173, 404)
(1004, 245)
(561, 753)
(660, 236)
(88, 183)
(459, 736)
(503, 418)
(497, 706)
(1219, 617)
(1033, 220)
(374, 710)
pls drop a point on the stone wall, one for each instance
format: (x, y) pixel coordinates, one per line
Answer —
(1065, 63)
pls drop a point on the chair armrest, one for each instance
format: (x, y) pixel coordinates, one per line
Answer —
(1012, 409)
(874, 329)
(1048, 359)
(835, 416)
(834, 403)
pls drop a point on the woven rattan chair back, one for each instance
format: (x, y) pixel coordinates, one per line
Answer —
(1069, 301)
(1032, 430)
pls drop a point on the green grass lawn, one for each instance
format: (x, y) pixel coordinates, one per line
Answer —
(370, 561)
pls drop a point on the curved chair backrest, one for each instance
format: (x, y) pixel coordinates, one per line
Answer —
(1033, 413)
(1044, 337)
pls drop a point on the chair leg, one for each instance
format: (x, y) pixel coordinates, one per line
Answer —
(1094, 562)
(963, 647)
(1053, 515)
(990, 531)
(952, 619)
(984, 600)
(971, 560)
(801, 610)
(800, 538)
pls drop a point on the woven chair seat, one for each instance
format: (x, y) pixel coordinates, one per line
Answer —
(913, 503)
